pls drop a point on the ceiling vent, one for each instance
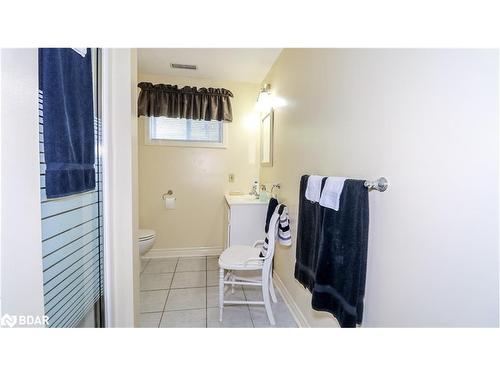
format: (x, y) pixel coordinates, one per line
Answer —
(183, 66)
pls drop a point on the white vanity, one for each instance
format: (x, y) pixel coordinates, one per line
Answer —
(245, 219)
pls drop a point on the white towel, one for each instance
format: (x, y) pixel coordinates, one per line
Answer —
(81, 51)
(330, 197)
(313, 190)
(284, 234)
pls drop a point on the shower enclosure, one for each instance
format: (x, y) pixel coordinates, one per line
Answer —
(72, 237)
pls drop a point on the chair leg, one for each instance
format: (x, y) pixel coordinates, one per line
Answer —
(221, 293)
(271, 289)
(226, 278)
(265, 294)
(233, 279)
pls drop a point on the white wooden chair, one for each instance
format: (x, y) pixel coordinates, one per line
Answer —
(246, 258)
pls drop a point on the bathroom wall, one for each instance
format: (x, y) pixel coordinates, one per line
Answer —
(428, 121)
(197, 176)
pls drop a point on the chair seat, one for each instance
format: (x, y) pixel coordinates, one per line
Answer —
(234, 257)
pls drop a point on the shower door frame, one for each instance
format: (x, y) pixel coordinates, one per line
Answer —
(99, 308)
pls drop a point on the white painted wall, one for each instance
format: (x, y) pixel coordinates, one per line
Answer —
(120, 187)
(428, 121)
(20, 241)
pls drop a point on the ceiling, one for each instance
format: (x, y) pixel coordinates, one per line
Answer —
(222, 64)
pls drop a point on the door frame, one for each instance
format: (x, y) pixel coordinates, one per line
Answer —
(20, 218)
(120, 190)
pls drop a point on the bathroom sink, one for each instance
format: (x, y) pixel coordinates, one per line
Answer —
(244, 199)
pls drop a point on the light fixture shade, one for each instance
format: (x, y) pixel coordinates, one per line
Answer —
(264, 101)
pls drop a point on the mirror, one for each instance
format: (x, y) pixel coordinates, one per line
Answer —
(266, 139)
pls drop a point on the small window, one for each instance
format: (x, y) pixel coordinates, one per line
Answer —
(185, 132)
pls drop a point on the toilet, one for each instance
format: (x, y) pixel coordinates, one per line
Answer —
(146, 240)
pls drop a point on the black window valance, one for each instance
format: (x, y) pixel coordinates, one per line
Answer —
(187, 102)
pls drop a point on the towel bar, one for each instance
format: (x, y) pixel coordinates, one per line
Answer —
(380, 185)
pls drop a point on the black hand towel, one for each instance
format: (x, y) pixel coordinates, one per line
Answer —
(65, 80)
(271, 207)
(273, 203)
(339, 286)
(308, 229)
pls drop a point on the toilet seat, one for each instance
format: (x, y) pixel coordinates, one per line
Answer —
(146, 241)
(146, 234)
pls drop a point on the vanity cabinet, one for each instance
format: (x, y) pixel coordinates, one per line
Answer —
(245, 219)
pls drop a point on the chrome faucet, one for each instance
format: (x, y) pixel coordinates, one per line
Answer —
(255, 191)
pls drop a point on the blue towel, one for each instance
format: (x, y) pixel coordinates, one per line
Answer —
(65, 79)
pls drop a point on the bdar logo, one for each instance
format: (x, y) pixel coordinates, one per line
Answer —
(8, 321)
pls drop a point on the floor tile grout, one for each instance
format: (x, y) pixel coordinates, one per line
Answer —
(248, 306)
(194, 271)
(163, 273)
(187, 287)
(140, 273)
(168, 293)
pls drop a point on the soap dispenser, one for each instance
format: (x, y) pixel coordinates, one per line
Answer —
(263, 196)
(255, 189)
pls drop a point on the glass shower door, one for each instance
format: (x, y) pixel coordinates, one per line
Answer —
(72, 238)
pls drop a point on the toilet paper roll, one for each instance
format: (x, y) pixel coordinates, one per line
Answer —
(170, 203)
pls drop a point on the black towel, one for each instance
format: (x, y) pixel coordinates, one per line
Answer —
(65, 80)
(308, 229)
(339, 285)
(273, 203)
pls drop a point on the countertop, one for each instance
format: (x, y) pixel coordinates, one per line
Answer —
(244, 199)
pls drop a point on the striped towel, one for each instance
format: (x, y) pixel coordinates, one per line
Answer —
(284, 234)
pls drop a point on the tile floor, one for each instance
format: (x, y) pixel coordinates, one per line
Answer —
(183, 292)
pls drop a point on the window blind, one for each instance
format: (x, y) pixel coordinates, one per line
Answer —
(185, 130)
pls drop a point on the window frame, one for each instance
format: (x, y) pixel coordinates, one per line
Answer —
(182, 143)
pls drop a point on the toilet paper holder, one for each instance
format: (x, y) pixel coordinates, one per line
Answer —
(167, 194)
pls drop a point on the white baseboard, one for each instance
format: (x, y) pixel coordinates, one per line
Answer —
(184, 252)
(290, 302)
